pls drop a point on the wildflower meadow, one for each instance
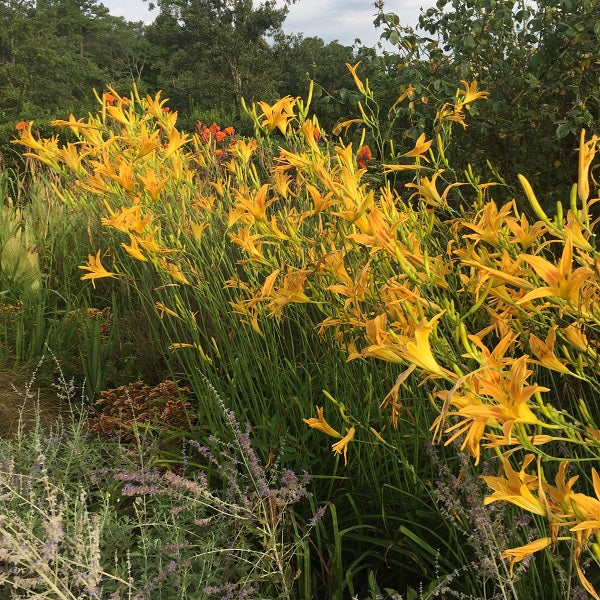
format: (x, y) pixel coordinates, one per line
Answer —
(302, 363)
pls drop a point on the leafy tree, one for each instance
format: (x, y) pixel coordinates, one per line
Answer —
(301, 60)
(538, 59)
(52, 52)
(214, 52)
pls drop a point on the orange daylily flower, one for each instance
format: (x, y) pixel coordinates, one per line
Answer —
(364, 156)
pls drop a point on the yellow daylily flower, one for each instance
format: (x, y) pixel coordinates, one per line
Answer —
(357, 81)
(129, 219)
(176, 141)
(426, 189)
(587, 151)
(341, 447)
(174, 271)
(518, 554)
(74, 124)
(321, 424)
(473, 427)
(344, 125)
(291, 291)
(419, 352)
(95, 268)
(409, 91)
(72, 158)
(155, 106)
(119, 115)
(196, 230)
(490, 224)
(587, 508)
(421, 146)
(250, 243)
(516, 488)
(152, 184)
(544, 351)
(577, 338)
(449, 112)
(562, 282)
(165, 310)
(147, 143)
(280, 114)
(470, 93)
(134, 250)
(524, 234)
(511, 395)
(243, 150)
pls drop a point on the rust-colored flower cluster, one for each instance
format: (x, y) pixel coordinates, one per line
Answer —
(136, 407)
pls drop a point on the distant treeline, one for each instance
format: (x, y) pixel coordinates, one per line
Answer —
(205, 55)
(539, 61)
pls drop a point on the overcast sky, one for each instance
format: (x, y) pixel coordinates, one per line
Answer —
(344, 20)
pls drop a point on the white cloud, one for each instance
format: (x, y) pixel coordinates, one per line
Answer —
(344, 20)
(132, 10)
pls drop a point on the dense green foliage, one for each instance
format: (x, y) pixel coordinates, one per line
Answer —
(540, 62)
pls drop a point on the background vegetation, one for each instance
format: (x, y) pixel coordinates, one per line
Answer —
(292, 293)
